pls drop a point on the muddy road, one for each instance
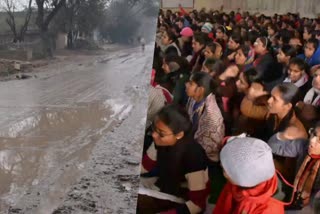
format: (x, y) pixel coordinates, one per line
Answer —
(71, 139)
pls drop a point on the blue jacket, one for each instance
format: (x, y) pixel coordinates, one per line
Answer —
(314, 60)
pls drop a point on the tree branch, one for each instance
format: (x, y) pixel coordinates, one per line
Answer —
(54, 12)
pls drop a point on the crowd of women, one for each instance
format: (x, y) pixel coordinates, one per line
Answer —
(233, 116)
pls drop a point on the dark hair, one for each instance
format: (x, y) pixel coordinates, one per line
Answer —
(215, 65)
(171, 35)
(176, 118)
(173, 51)
(222, 28)
(251, 75)
(176, 28)
(180, 19)
(213, 46)
(201, 38)
(315, 43)
(181, 61)
(195, 28)
(302, 65)
(203, 79)
(265, 41)
(316, 33)
(288, 50)
(308, 28)
(252, 36)
(289, 93)
(285, 35)
(245, 49)
(237, 38)
(273, 27)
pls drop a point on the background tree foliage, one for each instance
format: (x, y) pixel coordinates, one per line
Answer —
(123, 18)
(79, 17)
(118, 21)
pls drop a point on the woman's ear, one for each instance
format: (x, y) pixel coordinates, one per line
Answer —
(289, 106)
(201, 90)
(180, 135)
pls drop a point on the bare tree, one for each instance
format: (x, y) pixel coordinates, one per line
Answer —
(47, 10)
(10, 8)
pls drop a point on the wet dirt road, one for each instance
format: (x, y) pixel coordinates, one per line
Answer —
(70, 139)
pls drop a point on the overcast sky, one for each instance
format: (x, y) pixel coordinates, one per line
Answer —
(19, 4)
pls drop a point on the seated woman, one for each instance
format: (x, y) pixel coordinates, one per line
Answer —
(310, 107)
(233, 44)
(311, 52)
(313, 95)
(244, 57)
(198, 44)
(214, 67)
(272, 34)
(213, 50)
(159, 96)
(298, 75)
(207, 120)
(170, 43)
(250, 87)
(265, 63)
(177, 72)
(307, 180)
(285, 54)
(186, 42)
(180, 163)
(226, 92)
(252, 180)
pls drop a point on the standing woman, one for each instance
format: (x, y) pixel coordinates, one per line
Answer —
(282, 118)
(207, 120)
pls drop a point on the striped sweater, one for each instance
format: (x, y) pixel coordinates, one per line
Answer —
(210, 129)
(190, 169)
(158, 98)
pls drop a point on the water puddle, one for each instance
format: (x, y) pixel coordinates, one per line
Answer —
(50, 147)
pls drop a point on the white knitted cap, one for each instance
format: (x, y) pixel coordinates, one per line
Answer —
(247, 161)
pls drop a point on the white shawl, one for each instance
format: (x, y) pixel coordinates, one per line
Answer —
(310, 95)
